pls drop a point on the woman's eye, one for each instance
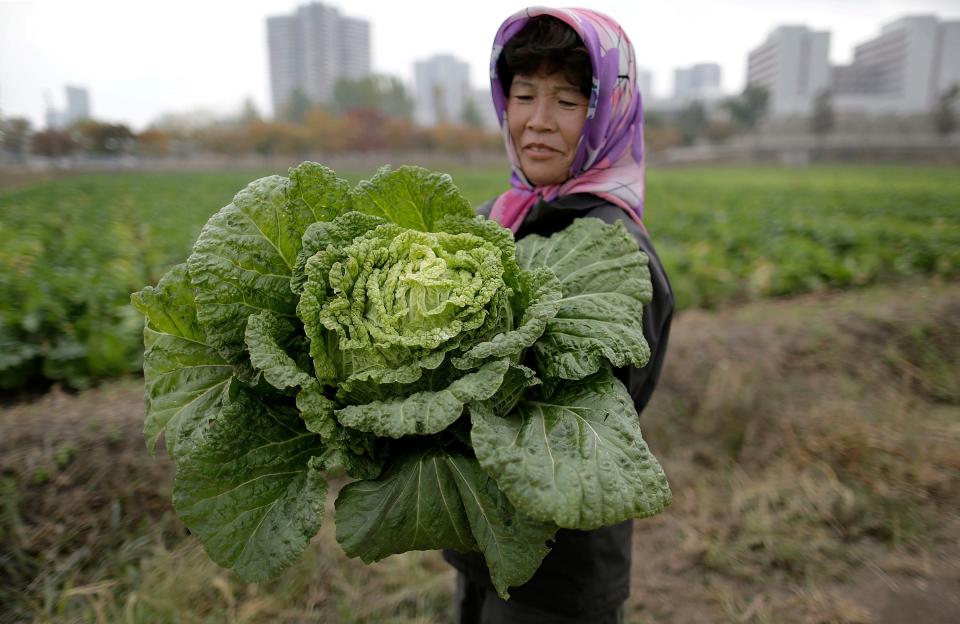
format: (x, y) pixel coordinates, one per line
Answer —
(566, 104)
(524, 98)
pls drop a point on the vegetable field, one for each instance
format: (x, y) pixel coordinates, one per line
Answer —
(72, 250)
(730, 235)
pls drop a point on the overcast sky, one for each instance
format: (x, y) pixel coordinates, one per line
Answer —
(141, 59)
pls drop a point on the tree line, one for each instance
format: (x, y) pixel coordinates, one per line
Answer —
(376, 113)
(372, 113)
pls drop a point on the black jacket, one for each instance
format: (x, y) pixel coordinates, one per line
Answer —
(587, 571)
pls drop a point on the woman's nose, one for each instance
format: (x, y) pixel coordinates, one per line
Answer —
(541, 117)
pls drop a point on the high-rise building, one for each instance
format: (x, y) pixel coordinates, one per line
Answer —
(78, 108)
(793, 65)
(903, 70)
(697, 82)
(313, 48)
(54, 118)
(319, 30)
(441, 89)
(645, 82)
(286, 59)
(354, 48)
(484, 103)
(948, 73)
(78, 104)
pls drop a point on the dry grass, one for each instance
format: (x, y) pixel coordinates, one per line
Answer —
(813, 446)
(91, 536)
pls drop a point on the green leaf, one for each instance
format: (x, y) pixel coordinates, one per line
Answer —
(328, 238)
(266, 337)
(491, 231)
(185, 378)
(430, 499)
(355, 451)
(605, 282)
(252, 489)
(317, 411)
(540, 303)
(513, 545)
(169, 306)
(425, 412)
(357, 463)
(413, 505)
(411, 197)
(347, 369)
(515, 382)
(317, 189)
(242, 262)
(576, 458)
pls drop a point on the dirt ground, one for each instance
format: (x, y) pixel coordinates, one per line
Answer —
(813, 447)
(845, 380)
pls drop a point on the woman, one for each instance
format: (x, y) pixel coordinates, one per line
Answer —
(564, 87)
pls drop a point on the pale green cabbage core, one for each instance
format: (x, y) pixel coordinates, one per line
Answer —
(405, 288)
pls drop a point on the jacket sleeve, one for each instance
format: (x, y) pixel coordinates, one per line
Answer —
(657, 314)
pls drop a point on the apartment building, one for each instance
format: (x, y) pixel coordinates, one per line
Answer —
(311, 49)
(793, 65)
(441, 89)
(697, 82)
(903, 70)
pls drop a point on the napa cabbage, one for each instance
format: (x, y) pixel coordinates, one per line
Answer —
(463, 381)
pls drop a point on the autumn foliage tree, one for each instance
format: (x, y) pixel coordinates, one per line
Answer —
(659, 138)
(227, 139)
(53, 143)
(154, 142)
(104, 138)
(265, 137)
(717, 131)
(329, 132)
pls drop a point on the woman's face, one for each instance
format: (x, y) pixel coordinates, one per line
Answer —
(545, 114)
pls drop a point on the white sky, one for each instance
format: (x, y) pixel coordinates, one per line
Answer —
(141, 59)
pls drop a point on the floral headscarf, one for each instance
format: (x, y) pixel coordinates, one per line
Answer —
(609, 159)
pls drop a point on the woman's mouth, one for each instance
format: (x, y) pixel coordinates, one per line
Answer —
(535, 150)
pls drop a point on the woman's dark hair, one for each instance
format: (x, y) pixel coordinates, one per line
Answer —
(546, 44)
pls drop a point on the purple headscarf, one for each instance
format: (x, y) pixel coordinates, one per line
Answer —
(609, 158)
